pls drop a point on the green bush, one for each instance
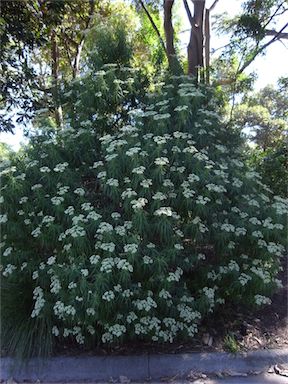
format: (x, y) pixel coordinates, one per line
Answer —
(136, 234)
(272, 166)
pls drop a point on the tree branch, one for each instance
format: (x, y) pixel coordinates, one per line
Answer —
(153, 24)
(76, 64)
(190, 17)
(272, 32)
(249, 61)
(275, 13)
(213, 6)
(261, 49)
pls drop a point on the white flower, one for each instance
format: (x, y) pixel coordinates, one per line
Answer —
(133, 151)
(139, 203)
(36, 232)
(104, 228)
(115, 215)
(70, 210)
(110, 247)
(48, 220)
(107, 265)
(124, 265)
(39, 301)
(35, 275)
(188, 193)
(181, 108)
(79, 191)
(75, 231)
(216, 188)
(261, 300)
(240, 231)
(139, 170)
(60, 167)
(84, 272)
(128, 193)
(175, 276)
(36, 186)
(146, 183)
(102, 175)
(51, 260)
(190, 149)
(55, 285)
(161, 161)
(45, 169)
(160, 140)
(166, 211)
(86, 207)
(147, 260)
(7, 251)
(228, 227)
(202, 200)
(164, 294)
(55, 331)
(3, 218)
(23, 200)
(63, 190)
(57, 200)
(244, 278)
(90, 311)
(67, 247)
(93, 216)
(22, 176)
(209, 292)
(159, 196)
(9, 270)
(112, 182)
(23, 266)
(94, 259)
(108, 296)
(97, 164)
(145, 304)
(130, 248)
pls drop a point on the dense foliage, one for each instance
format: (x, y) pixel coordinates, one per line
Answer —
(137, 230)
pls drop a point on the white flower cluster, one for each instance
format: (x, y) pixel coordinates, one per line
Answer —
(161, 161)
(139, 203)
(175, 276)
(262, 300)
(61, 310)
(145, 304)
(38, 296)
(60, 167)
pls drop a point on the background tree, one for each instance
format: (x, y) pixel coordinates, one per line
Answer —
(41, 43)
(264, 115)
(260, 24)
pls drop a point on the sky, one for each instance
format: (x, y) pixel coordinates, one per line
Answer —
(268, 68)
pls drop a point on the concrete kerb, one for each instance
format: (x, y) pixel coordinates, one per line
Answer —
(138, 368)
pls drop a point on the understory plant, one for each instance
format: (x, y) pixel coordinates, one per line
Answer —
(138, 232)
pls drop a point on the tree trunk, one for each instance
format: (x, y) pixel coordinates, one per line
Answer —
(76, 65)
(207, 45)
(55, 77)
(169, 33)
(195, 46)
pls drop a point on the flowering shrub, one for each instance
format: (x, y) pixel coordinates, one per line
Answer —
(140, 233)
